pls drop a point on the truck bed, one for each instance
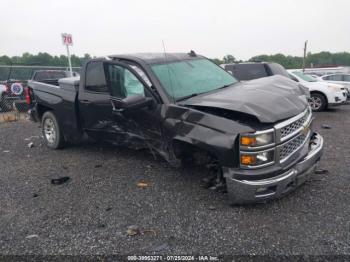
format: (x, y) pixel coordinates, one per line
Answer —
(62, 100)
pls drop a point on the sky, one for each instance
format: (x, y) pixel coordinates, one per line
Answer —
(214, 28)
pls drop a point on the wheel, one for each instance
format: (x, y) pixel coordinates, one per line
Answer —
(51, 130)
(317, 102)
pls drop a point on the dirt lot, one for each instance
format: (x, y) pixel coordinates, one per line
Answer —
(90, 213)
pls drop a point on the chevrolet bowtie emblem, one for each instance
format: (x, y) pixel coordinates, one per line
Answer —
(305, 129)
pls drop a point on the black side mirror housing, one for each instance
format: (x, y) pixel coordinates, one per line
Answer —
(130, 103)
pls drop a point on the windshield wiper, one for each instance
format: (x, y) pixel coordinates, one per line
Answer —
(187, 97)
(224, 86)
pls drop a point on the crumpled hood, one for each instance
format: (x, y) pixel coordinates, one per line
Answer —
(270, 99)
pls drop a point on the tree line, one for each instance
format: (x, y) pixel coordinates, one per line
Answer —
(45, 59)
(321, 59)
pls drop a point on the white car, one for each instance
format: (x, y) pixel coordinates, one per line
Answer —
(322, 94)
(342, 79)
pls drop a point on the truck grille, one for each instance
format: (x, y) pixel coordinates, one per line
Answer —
(294, 126)
(290, 147)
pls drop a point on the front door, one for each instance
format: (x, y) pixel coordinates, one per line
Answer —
(140, 127)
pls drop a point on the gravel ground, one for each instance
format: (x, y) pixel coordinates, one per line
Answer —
(90, 213)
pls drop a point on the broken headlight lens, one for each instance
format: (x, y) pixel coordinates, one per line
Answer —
(255, 159)
(263, 138)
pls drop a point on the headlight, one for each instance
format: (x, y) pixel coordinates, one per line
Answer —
(335, 88)
(258, 139)
(257, 159)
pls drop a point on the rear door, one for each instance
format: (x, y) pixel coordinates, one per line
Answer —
(94, 102)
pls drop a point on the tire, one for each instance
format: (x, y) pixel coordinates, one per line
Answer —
(51, 131)
(318, 102)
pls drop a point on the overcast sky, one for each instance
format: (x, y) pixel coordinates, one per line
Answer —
(243, 28)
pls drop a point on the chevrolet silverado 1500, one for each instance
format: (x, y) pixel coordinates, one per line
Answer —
(257, 134)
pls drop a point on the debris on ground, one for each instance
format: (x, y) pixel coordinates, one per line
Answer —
(149, 231)
(60, 181)
(30, 145)
(211, 208)
(6, 151)
(142, 184)
(132, 230)
(30, 138)
(321, 171)
(31, 236)
(325, 126)
(9, 118)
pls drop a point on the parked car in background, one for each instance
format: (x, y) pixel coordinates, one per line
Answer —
(322, 94)
(12, 91)
(320, 71)
(256, 136)
(51, 76)
(254, 70)
(343, 79)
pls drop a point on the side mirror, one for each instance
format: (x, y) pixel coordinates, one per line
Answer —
(130, 103)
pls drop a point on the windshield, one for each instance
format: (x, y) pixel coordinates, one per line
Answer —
(192, 77)
(304, 77)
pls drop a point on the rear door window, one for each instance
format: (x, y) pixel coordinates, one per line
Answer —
(334, 77)
(95, 80)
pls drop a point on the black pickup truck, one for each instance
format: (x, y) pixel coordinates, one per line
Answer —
(256, 134)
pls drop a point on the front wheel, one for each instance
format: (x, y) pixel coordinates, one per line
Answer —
(51, 131)
(317, 102)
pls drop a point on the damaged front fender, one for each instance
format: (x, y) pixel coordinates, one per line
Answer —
(214, 134)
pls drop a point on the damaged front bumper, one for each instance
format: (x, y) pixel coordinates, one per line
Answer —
(253, 191)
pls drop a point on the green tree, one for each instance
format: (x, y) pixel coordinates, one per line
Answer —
(229, 59)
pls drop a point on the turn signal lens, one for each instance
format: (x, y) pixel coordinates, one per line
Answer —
(258, 139)
(248, 141)
(256, 159)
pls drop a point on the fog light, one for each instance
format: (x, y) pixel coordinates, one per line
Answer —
(248, 160)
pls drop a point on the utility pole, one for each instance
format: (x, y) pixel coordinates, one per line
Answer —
(304, 57)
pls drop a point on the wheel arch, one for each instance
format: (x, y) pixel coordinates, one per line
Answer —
(320, 93)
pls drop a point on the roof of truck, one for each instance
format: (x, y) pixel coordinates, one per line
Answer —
(157, 58)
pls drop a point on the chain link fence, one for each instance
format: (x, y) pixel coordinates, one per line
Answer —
(13, 84)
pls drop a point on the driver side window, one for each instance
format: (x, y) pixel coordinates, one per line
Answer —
(122, 82)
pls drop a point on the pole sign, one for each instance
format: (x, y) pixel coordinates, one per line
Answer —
(67, 39)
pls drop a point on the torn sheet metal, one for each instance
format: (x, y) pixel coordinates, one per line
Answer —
(270, 99)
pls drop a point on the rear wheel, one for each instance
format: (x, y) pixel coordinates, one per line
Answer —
(51, 131)
(318, 102)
